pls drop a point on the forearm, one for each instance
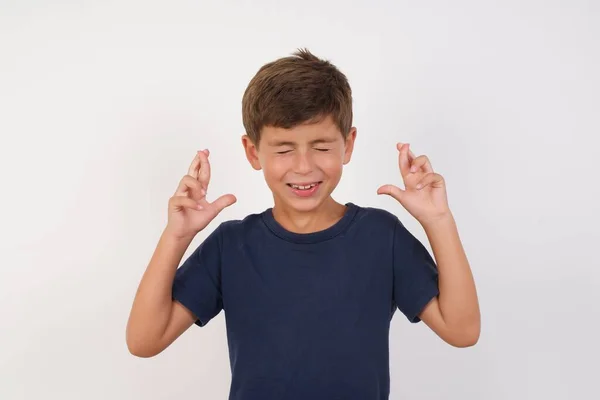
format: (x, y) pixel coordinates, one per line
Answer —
(458, 303)
(152, 305)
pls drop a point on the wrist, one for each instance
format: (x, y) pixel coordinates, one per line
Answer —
(444, 219)
(176, 237)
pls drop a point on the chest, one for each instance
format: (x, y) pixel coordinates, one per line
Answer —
(306, 283)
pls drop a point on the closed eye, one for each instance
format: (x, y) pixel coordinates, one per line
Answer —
(322, 149)
(283, 152)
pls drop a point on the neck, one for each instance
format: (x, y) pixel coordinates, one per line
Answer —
(315, 220)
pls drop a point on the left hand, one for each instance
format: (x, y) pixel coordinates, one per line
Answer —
(424, 196)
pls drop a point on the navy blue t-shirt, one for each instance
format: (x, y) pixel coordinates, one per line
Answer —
(308, 315)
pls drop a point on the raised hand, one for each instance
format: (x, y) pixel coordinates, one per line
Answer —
(189, 211)
(424, 196)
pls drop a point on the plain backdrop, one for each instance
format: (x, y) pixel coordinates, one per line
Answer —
(104, 104)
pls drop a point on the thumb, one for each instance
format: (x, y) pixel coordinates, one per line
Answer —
(223, 202)
(391, 190)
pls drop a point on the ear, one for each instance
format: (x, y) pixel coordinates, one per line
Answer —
(251, 152)
(349, 145)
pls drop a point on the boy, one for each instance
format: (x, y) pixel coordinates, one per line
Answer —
(310, 285)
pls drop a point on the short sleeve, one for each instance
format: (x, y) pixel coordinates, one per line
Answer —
(415, 274)
(197, 283)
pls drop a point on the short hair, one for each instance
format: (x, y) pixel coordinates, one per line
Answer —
(295, 90)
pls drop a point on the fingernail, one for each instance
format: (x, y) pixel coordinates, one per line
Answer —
(203, 191)
(413, 169)
(419, 186)
(200, 207)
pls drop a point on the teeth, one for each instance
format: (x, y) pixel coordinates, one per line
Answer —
(303, 187)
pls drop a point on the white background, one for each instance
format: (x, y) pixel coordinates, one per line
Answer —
(104, 104)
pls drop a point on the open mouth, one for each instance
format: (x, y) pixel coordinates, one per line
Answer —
(304, 189)
(304, 186)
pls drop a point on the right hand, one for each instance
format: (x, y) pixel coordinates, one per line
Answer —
(189, 211)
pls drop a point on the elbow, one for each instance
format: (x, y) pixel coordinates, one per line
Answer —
(141, 351)
(465, 337)
(464, 342)
(141, 348)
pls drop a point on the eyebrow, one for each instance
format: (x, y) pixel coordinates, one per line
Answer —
(287, 143)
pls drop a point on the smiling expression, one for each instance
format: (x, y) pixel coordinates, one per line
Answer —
(302, 165)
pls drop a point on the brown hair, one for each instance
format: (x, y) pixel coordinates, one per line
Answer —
(295, 90)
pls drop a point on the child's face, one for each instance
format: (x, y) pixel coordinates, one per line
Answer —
(303, 165)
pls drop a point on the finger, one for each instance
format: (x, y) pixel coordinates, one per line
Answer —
(421, 162)
(391, 190)
(411, 155)
(223, 202)
(204, 173)
(411, 159)
(193, 169)
(431, 179)
(180, 202)
(403, 161)
(190, 186)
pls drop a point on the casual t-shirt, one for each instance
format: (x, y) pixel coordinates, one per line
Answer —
(308, 315)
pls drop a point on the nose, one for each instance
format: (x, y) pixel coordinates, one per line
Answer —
(303, 163)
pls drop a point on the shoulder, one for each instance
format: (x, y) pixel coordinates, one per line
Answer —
(376, 217)
(373, 225)
(236, 228)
